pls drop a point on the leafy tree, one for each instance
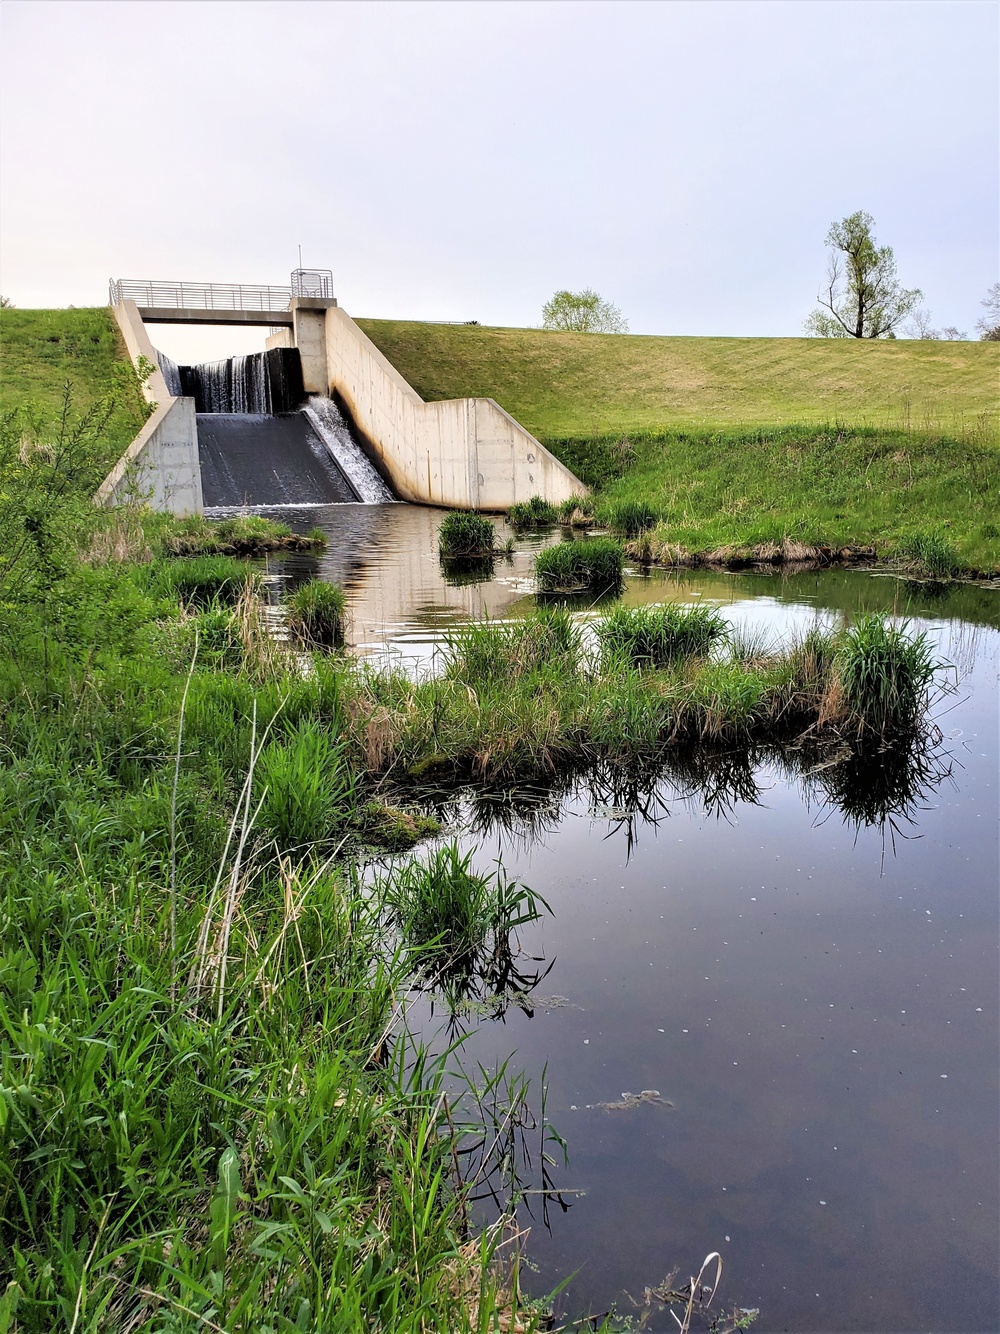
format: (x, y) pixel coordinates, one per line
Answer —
(863, 297)
(989, 324)
(582, 312)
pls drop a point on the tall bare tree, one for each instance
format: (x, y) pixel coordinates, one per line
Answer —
(989, 324)
(863, 297)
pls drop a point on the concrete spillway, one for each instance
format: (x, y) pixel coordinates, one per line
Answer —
(253, 459)
(255, 447)
(463, 453)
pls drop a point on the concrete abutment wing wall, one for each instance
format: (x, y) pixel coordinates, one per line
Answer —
(464, 453)
(161, 465)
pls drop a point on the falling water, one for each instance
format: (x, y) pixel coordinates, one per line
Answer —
(262, 382)
(171, 373)
(328, 423)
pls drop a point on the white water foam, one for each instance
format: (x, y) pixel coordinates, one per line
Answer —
(328, 423)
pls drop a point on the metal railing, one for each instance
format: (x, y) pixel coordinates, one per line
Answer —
(221, 296)
(198, 296)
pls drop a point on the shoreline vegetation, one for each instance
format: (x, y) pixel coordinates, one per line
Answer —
(211, 1115)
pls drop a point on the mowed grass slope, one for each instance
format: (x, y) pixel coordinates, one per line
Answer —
(745, 441)
(560, 385)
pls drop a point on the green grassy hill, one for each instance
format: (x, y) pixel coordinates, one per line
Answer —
(561, 385)
(41, 351)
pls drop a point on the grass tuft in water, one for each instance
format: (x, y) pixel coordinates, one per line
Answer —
(465, 534)
(884, 673)
(533, 513)
(489, 651)
(655, 636)
(933, 553)
(316, 614)
(455, 917)
(596, 565)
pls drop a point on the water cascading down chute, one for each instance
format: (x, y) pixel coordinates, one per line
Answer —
(263, 442)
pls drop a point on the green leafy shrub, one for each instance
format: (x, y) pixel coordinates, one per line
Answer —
(596, 565)
(464, 533)
(316, 614)
(533, 513)
(655, 636)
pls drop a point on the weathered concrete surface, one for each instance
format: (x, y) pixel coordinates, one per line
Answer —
(309, 336)
(161, 465)
(465, 453)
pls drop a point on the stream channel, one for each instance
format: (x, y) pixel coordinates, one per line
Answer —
(809, 984)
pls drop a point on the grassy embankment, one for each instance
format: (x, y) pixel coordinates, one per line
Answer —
(744, 442)
(205, 1119)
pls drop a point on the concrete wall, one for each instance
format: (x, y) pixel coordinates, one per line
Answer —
(464, 453)
(161, 465)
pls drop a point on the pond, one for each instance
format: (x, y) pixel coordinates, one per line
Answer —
(810, 987)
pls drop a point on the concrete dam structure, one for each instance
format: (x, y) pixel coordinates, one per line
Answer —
(321, 416)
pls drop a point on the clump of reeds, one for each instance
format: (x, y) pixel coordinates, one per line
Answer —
(465, 534)
(453, 916)
(577, 511)
(656, 636)
(533, 513)
(309, 789)
(204, 579)
(595, 565)
(503, 650)
(933, 553)
(628, 518)
(883, 673)
(317, 612)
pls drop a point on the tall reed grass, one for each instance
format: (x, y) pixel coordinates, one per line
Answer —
(655, 636)
(317, 612)
(592, 565)
(884, 673)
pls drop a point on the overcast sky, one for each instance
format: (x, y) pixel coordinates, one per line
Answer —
(464, 160)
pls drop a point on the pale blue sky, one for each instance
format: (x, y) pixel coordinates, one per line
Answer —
(464, 160)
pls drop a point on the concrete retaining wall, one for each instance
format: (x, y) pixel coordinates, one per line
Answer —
(464, 453)
(161, 465)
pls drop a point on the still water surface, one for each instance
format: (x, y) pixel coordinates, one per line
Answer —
(817, 997)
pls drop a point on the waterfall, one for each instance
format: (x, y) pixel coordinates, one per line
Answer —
(328, 423)
(171, 373)
(261, 382)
